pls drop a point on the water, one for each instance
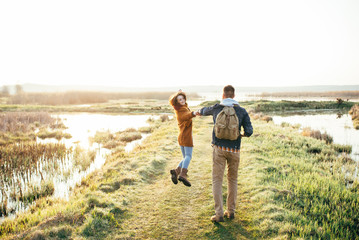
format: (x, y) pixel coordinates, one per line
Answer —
(340, 127)
(82, 126)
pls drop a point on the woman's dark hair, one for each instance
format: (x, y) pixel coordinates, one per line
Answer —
(173, 98)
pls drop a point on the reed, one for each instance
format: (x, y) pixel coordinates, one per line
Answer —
(36, 192)
(22, 161)
(23, 157)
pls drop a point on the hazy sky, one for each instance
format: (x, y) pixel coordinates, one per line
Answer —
(164, 43)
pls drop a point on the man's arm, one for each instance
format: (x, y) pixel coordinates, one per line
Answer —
(206, 111)
(247, 126)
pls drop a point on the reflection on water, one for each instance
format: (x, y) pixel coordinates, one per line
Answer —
(340, 127)
(82, 126)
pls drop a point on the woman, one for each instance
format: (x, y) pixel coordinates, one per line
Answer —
(184, 119)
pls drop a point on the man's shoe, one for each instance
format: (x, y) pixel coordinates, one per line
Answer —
(183, 177)
(216, 218)
(229, 215)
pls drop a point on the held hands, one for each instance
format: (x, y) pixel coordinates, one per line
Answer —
(197, 113)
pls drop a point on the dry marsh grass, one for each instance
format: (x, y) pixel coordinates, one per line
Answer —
(23, 121)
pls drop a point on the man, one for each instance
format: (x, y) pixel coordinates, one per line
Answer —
(226, 151)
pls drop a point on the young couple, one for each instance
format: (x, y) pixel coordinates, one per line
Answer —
(225, 151)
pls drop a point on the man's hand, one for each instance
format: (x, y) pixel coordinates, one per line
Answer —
(197, 113)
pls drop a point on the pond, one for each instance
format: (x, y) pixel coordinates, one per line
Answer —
(340, 127)
(81, 126)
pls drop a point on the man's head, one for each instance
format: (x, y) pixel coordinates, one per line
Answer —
(228, 92)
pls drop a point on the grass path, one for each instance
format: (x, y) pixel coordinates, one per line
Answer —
(162, 210)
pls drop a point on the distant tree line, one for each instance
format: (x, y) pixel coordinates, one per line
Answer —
(78, 97)
(5, 92)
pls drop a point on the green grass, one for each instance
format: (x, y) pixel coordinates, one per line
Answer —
(285, 191)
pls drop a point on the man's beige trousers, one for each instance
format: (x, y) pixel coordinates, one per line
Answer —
(220, 158)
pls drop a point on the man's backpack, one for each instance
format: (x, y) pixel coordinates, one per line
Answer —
(227, 124)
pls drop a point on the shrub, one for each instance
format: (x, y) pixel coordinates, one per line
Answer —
(145, 129)
(129, 136)
(308, 132)
(83, 158)
(164, 118)
(354, 112)
(343, 148)
(267, 118)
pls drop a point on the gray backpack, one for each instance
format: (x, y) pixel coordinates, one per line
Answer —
(227, 124)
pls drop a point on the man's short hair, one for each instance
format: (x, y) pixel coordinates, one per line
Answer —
(228, 91)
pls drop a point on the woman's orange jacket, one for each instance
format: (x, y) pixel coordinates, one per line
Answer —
(184, 118)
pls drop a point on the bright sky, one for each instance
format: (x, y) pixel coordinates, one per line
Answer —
(188, 42)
